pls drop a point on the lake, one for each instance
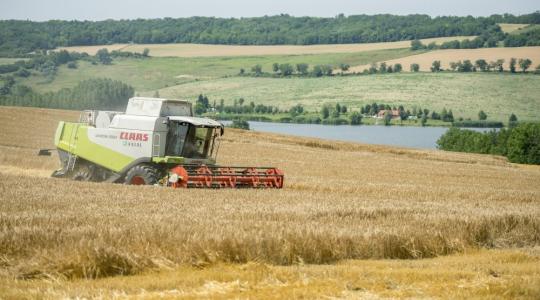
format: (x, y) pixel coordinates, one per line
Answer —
(404, 136)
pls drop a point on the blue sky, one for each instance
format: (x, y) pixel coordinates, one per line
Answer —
(132, 9)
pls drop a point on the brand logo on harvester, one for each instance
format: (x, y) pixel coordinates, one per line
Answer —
(132, 136)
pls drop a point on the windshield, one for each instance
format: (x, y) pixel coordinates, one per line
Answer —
(199, 142)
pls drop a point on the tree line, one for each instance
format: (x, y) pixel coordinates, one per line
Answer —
(99, 93)
(487, 39)
(521, 144)
(20, 37)
(337, 114)
(46, 63)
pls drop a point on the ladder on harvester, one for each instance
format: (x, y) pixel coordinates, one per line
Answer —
(72, 158)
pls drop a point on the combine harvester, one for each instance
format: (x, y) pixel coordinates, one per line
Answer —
(155, 142)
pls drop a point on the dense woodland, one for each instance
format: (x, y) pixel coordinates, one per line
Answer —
(521, 144)
(19, 37)
(106, 94)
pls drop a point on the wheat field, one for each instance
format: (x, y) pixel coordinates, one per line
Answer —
(454, 55)
(407, 212)
(205, 50)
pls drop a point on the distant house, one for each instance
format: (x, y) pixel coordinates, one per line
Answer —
(394, 113)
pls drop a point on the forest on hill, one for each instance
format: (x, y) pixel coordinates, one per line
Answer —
(19, 37)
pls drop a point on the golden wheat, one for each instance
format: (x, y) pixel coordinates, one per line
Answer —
(454, 55)
(341, 201)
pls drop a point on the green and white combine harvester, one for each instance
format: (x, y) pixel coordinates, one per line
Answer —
(155, 142)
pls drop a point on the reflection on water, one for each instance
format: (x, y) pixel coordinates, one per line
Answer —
(405, 136)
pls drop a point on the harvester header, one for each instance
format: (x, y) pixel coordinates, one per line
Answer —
(156, 142)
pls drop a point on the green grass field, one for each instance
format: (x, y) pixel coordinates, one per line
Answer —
(497, 94)
(6, 61)
(159, 72)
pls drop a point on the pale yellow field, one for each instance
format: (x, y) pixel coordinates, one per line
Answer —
(200, 50)
(352, 221)
(505, 27)
(453, 55)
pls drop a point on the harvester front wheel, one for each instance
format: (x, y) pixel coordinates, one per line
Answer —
(84, 172)
(142, 175)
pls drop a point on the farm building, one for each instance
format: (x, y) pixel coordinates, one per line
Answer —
(393, 112)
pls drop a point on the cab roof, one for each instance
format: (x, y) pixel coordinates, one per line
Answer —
(197, 121)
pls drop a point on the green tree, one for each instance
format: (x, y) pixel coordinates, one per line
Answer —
(524, 64)
(382, 67)
(373, 68)
(482, 115)
(325, 111)
(415, 67)
(417, 45)
(103, 56)
(296, 110)
(424, 120)
(286, 69)
(72, 65)
(513, 65)
(512, 121)
(302, 68)
(221, 105)
(398, 68)
(275, 67)
(387, 118)
(317, 71)
(499, 65)
(465, 66)
(524, 144)
(257, 69)
(355, 118)
(199, 108)
(450, 116)
(240, 124)
(481, 64)
(344, 67)
(436, 66)
(327, 70)
(146, 52)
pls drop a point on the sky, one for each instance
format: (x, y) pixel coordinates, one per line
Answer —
(40, 10)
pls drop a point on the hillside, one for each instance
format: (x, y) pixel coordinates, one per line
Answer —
(21, 37)
(200, 50)
(465, 93)
(342, 203)
(454, 55)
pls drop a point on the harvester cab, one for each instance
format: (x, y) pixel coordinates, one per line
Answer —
(155, 141)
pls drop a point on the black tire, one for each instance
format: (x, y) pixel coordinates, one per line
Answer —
(84, 171)
(142, 175)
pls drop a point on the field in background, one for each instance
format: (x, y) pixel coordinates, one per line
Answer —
(453, 55)
(498, 95)
(6, 61)
(202, 50)
(158, 72)
(341, 201)
(508, 28)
